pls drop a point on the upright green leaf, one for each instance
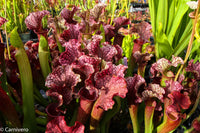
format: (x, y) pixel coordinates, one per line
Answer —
(163, 48)
(185, 27)
(26, 82)
(153, 13)
(44, 55)
(171, 26)
(181, 10)
(15, 39)
(184, 40)
(181, 46)
(162, 8)
(171, 15)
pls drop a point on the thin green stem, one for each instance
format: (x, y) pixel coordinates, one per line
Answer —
(121, 10)
(189, 130)
(40, 113)
(8, 48)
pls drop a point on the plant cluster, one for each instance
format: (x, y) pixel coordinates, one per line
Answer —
(96, 64)
(140, 16)
(16, 11)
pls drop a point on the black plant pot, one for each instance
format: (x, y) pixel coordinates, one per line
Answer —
(27, 36)
(33, 35)
(142, 5)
